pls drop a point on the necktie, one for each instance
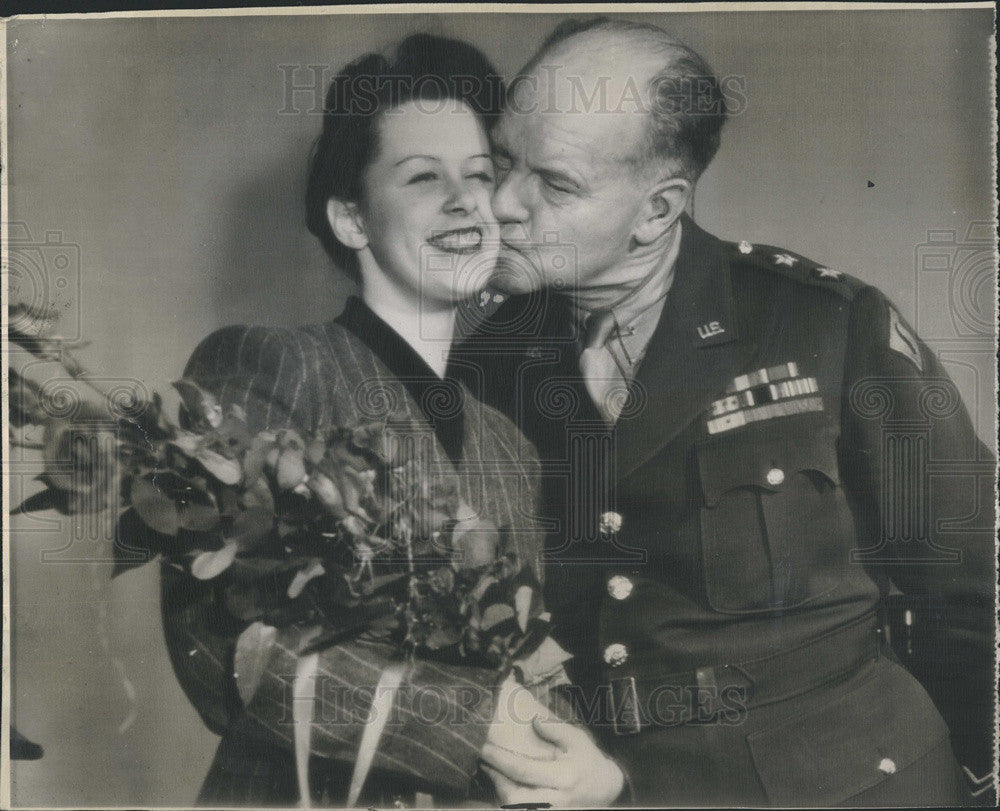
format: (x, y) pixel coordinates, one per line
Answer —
(601, 373)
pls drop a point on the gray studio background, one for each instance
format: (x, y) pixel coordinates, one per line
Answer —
(164, 158)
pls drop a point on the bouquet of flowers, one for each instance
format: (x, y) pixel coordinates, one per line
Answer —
(338, 533)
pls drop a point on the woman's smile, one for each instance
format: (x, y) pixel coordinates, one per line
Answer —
(458, 240)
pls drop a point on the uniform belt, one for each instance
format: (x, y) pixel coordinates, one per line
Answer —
(723, 693)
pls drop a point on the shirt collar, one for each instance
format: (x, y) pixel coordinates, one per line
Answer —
(638, 312)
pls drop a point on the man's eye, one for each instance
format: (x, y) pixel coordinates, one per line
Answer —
(557, 186)
(501, 165)
(485, 177)
(423, 177)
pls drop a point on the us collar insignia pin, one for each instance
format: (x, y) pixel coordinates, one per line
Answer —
(710, 330)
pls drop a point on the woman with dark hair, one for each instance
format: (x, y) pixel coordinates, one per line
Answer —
(399, 195)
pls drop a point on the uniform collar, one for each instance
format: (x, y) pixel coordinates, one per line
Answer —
(699, 307)
(693, 353)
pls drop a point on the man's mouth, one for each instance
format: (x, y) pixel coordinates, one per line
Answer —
(459, 240)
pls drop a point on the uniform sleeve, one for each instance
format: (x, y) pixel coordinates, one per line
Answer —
(267, 373)
(923, 487)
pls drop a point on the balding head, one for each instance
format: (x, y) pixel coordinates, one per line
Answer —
(603, 65)
(604, 134)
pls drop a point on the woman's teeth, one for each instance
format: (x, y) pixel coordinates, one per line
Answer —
(462, 240)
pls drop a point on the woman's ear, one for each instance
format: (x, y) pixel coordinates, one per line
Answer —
(346, 223)
(665, 202)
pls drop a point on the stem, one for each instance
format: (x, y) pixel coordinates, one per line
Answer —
(29, 446)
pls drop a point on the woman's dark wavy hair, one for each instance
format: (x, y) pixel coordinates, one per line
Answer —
(424, 67)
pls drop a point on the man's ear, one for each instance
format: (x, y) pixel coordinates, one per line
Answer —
(346, 223)
(665, 202)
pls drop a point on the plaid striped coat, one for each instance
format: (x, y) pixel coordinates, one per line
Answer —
(307, 378)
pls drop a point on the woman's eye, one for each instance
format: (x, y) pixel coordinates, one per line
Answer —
(423, 177)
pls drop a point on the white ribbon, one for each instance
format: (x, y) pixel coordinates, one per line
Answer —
(378, 717)
(303, 707)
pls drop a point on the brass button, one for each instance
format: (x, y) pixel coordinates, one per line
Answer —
(611, 522)
(619, 586)
(616, 654)
(775, 476)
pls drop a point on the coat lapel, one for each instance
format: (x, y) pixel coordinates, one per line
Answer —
(694, 352)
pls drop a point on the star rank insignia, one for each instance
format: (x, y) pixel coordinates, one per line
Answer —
(745, 247)
(785, 259)
(828, 273)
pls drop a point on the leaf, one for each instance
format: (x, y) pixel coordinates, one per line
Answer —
(232, 436)
(253, 517)
(302, 578)
(25, 400)
(256, 456)
(187, 442)
(201, 405)
(245, 601)
(155, 509)
(316, 449)
(48, 499)
(227, 471)
(211, 564)
(78, 452)
(474, 543)
(290, 439)
(198, 517)
(135, 543)
(327, 492)
(522, 603)
(442, 637)
(495, 614)
(349, 625)
(291, 468)
(253, 652)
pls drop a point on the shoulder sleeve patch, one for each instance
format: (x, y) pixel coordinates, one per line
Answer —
(903, 341)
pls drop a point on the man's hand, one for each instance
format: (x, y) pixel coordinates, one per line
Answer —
(511, 729)
(578, 775)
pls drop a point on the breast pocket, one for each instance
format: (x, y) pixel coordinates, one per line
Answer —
(775, 526)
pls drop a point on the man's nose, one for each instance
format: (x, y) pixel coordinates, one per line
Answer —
(508, 206)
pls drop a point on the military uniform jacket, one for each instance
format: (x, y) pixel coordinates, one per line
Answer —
(789, 451)
(326, 375)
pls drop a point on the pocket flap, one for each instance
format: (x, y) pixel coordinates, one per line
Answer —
(768, 455)
(850, 744)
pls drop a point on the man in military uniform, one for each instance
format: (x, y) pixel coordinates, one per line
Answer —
(745, 452)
